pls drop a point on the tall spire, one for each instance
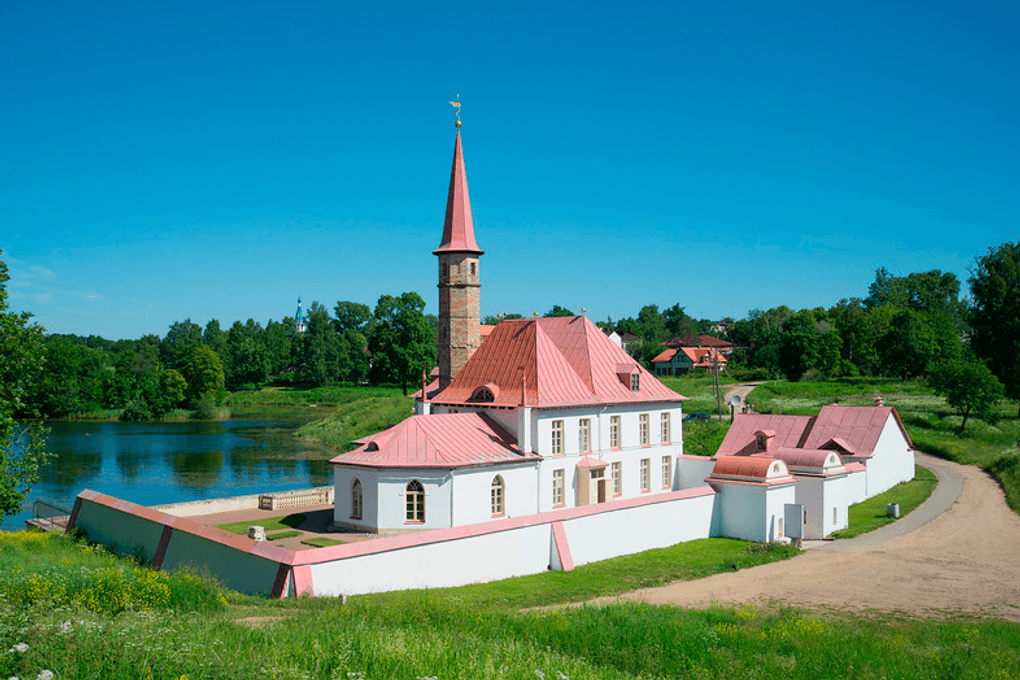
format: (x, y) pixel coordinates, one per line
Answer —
(458, 229)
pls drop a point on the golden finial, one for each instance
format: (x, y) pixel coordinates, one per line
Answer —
(456, 105)
(582, 311)
(536, 315)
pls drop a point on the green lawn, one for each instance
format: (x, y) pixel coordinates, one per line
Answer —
(322, 542)
(283, 534)
(269, 524)
(135, 624)
(871, 514)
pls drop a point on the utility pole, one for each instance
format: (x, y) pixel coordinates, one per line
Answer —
(718, 398)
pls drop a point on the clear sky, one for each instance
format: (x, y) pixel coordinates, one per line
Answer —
(160, 161)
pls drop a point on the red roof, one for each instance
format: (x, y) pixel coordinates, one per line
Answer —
(458, 229)
(484, 329)
(664, 357)
(854, 429)
(697, 341)
(702, 357)
(443, 440)
(740, 439)
(860, 426)
(751, 469)
(563, 361)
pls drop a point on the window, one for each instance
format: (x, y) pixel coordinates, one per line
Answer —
(557, 438)
(357, 499)
(646, 474)
(780, 527)
(584, 435)
(635, 382)
(644, 429)
(557, 487)
(762, 442)
(472, 269)
(415, 497)
(614, 432)
(617, 479)
(665, 434)
(833, 515)
(667, 472)
(496, 494)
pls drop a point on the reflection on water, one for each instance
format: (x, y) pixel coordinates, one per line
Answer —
(156, 463)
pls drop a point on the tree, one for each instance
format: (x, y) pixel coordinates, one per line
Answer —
(351, 316)
(202, 371)
(558, 311)
(968, 387)
(181, 336)
(995, 314)
(402, 343)
(22, 447)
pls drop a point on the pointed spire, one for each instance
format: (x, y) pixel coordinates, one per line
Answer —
(458, 230)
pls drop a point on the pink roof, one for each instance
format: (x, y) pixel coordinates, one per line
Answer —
(667, 355)
(458, 229)
(805, 458)
(444, 440)
(752, 469)
(740, 439)
(589, 462)
(484, 329)
(858, 426)
(563, 361)
(854, 429)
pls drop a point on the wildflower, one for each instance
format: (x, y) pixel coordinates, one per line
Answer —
(20, 647)
(65, 627)
(563, 676)
(540, 674)
(45, 675)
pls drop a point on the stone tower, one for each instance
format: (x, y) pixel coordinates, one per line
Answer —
(459, 286)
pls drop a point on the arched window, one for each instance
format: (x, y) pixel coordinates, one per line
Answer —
(415, 496)
(357, 499)
(496, 494)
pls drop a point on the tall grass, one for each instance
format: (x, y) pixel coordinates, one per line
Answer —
(469, 633)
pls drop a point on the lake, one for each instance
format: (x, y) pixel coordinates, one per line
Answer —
(156, 463)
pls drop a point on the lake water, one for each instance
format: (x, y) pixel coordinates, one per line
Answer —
(156, 463)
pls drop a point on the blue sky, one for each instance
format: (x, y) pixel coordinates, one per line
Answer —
(215, 160)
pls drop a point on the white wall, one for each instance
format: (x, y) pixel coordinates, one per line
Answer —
(472, 492)
(483, 558)
(751, 512)
(122, 532)
(392, 489)
(856, 487)
(820, 496)
(692, 470)
(343, 476)
(892, 461)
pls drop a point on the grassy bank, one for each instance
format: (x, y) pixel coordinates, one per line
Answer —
(932, 424)
(466, 633)
(871, 514)
(359, 418)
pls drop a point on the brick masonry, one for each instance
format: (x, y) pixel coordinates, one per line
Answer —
(459, 312)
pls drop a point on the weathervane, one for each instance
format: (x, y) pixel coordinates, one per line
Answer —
(456, 105)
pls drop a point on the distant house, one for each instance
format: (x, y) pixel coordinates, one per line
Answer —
(725, 347)
(675, 361)
(626, 338)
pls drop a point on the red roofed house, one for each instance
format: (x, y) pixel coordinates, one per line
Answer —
(724, 346)
(545, 413)
(682, 360)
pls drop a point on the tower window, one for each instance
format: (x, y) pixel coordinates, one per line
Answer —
(472, 269)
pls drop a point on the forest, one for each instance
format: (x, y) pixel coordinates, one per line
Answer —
(914, 326)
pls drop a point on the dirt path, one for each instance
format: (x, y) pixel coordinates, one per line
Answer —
(964, 559)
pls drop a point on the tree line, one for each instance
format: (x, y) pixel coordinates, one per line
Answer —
(193, 366)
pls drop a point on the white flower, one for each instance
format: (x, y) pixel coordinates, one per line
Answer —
(540, 674)
(65, 627)
(45, 675)
(20, 647)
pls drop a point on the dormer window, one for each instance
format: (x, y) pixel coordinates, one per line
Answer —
(635, 382)
(484, 394)
(763, 442)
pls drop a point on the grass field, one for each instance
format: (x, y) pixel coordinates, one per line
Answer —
(871, 514)
(201, 632)
(269, 524)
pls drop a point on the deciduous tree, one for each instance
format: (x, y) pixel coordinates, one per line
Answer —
(968, 387)
(995, 314)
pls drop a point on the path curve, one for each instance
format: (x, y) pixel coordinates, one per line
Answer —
(958, 552)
